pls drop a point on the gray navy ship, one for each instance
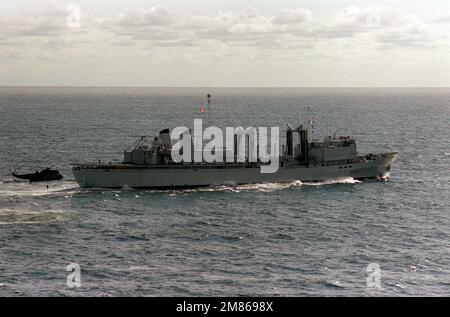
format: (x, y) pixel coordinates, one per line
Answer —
(303, 158)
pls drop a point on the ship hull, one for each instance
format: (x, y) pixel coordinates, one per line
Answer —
(178, 176)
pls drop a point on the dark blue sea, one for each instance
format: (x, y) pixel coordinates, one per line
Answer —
(299, 239)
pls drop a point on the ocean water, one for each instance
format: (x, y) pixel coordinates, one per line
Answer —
(298, 239)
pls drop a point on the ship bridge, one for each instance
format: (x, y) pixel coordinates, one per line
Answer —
(333, 149)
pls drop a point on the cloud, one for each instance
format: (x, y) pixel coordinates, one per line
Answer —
(293, 16)
(141, 18)
(162, 25)
(249, 27)
(443, 19)
(55, 19)
(248, 32)
(355, 20)
(381, 26)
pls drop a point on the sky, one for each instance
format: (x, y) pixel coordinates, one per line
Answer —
(225, 43)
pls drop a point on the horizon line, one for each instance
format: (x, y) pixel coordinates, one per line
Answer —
(234, 87)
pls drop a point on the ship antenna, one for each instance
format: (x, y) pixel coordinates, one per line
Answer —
(208, 97)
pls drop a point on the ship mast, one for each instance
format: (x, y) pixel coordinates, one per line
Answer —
(310, 125)
(208, 97)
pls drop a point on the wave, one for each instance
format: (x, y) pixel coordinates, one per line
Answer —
(261, 187)
(67, 188)
(341, 180)
(26, 216)
(271, 187)
(333, 283)
(257, 187)
(24, 189)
